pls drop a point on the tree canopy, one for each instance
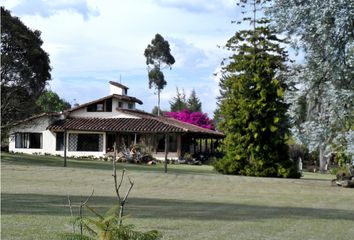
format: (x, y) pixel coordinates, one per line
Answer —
(252, 104)
(25, 69)
(49, 101)
(322, 105)
(158, 56)
(178, 102)
(193, 102)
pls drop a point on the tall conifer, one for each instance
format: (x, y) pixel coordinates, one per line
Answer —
(252, 108)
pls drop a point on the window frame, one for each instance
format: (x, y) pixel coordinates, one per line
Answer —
(28, 140)
(59, 141)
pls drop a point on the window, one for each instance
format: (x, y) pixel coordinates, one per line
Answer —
(104, 106)
(28, 140)
(99, 107)
(92, 108)
(60, 141)
(89, 142)
(130, 105)
(109, 105)
(120, 104)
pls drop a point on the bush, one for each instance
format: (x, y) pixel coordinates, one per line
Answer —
(342, 173)
(297, 151)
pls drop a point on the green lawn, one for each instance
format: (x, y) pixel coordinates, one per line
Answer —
(189, 202)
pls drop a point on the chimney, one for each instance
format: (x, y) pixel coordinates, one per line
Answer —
(117, 88)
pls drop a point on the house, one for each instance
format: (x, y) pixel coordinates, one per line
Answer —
(92, 128)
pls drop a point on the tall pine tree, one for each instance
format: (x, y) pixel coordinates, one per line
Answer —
(252, 106)
(179, 102)
(193, 102)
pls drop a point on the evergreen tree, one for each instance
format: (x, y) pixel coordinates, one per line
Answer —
(193, 102)
(252, 105)
(158, 56)
(324, 31)
(179, 102)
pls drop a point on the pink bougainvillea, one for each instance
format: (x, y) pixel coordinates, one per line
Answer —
(196, 118)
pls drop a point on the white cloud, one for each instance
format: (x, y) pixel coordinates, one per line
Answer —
(48, 8)
(187, 55)
(196, 6)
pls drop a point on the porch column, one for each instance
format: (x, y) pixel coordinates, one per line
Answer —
(200, 146)
(211, 146)
(166, 151)
(115, 147)
(179, 145)
(65, 147)
(206, 146)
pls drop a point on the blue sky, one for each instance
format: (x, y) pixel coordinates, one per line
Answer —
(92, 42)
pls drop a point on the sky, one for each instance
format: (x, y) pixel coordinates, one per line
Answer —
(92, 42)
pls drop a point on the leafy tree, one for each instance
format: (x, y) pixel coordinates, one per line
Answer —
(50, 102)
(179, 102)
(25, 69)
(323, 30)
(155, 110)
(158, 56)
(252, 104)
(193, 102)
(196, 118)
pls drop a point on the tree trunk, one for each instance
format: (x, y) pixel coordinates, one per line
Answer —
(158, 102)
(166, 151)
(322, 158)
(121, 212)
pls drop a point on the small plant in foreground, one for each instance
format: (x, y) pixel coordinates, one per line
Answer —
(108, 227)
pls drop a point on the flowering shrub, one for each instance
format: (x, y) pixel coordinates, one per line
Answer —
(196, 118)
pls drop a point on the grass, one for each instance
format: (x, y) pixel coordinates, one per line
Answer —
(189, 202)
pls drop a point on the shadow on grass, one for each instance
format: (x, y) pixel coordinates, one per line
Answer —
(36, 204)
(53, 161)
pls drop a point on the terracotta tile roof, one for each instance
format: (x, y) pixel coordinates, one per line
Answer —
(142, 125)
(187, 127)
(146, 123)
(190, 127)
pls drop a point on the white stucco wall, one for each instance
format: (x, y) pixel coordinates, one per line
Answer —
(116, 90)
(82, 112)
(35, 126)
(114, 114)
